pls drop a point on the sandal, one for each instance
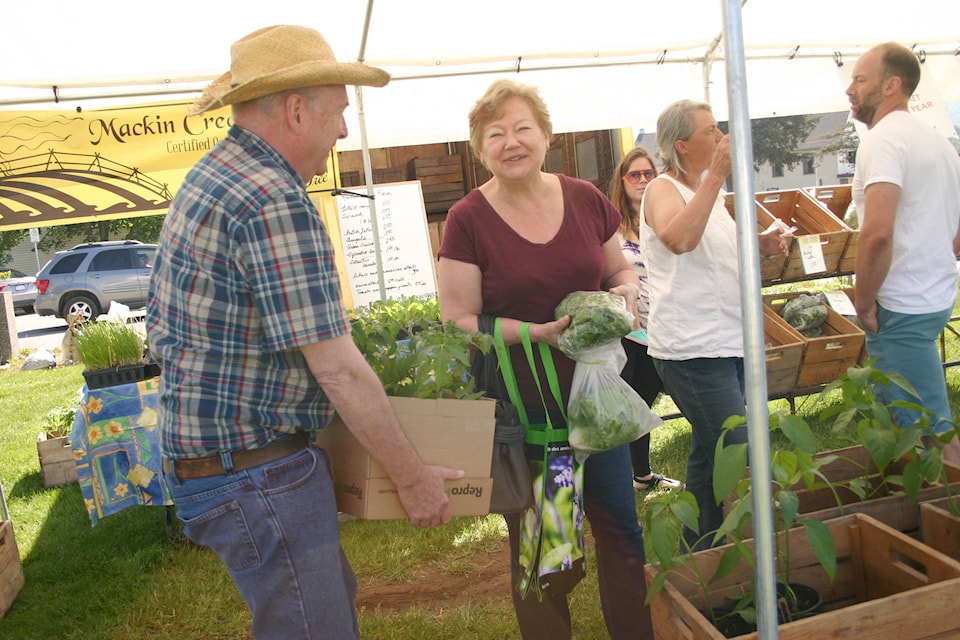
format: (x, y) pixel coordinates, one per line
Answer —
(655, 481)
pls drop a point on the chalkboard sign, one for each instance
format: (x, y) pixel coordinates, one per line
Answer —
(406, 259)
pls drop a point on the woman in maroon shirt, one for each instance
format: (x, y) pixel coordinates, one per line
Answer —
(513, 248)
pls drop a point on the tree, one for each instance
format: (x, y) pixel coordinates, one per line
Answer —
(55, 238)
(775, 140)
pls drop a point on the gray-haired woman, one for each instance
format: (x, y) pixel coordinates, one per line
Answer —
(695, 331)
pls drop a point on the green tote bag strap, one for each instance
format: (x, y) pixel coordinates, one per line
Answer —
(510, 379)
(506, 368)
(545, 436)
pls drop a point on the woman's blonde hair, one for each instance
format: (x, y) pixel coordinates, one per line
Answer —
(490, 107)
(618, 194)
(676, 123)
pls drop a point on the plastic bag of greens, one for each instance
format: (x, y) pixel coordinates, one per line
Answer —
(597, 318)
(604, 411)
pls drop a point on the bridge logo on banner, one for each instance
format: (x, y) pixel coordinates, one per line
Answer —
(65, 167)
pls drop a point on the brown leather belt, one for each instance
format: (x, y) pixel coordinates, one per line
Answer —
(208, 466)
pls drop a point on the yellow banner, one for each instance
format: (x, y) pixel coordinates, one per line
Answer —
(65, 167)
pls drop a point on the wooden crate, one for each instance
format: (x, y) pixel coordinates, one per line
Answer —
(441, 179)
(771, 269)
(829, 356)
(11, 571)
(57, 462)
(886, 583)
(798, 208)
(837, 199)
(385, 174)
(783, 355)
(940, 526)
(895, 509)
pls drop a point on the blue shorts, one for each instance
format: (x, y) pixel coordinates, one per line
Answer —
(906, 344)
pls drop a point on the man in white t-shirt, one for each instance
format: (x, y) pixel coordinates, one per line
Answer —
(907, 192)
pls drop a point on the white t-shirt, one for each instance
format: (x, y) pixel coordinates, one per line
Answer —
(695, 297)
(902, 150)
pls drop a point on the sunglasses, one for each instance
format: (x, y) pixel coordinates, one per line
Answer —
(633, 177)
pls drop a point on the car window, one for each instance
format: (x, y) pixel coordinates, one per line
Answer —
(145, 258)
(68, 263)
(13, 273)
(112, 260)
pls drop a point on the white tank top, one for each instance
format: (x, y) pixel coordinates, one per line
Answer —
(695, 297)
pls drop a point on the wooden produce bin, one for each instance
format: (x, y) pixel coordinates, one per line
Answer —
(771, 269)
(829, 356)
(940, 525)
(57, 463)
(888, 586)
(837, 199)
(797, 208)
(441, 178)
(783, 355)
(893, 508)
(11, 571)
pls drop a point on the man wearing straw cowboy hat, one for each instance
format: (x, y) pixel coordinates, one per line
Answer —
(245, 314)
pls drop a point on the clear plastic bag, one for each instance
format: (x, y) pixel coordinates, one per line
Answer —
(604, 412)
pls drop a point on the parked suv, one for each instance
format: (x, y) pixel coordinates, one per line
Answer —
(86, 278)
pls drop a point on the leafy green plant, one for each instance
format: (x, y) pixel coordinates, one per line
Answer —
(413, 352)
(669, 513)
(108, 344)
(58, 422)
(886, 442)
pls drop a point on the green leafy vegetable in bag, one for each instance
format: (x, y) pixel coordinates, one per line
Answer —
(596, 318)
(604, 420)
(805, 312)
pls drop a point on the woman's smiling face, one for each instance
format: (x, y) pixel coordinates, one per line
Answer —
(514, 145)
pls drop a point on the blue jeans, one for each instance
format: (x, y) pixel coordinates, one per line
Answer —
(611, 508)
(707, 391)
(906, 344)
(275, 528)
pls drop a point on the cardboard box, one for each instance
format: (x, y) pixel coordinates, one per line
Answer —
(453, 433)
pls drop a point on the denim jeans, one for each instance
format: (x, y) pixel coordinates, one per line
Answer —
(707, 391)
(275, 528)
(611, 508)
(906, 344)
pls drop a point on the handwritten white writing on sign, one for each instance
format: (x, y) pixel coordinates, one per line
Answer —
(811, 254)
(406, 259)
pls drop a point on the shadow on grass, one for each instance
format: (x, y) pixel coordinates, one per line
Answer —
(79, 580)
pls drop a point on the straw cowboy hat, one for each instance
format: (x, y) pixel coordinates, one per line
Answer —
(280, 58)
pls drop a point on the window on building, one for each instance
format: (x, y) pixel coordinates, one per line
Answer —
(808, 167)
(777, 170)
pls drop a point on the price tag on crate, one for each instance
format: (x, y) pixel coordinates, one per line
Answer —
(811, 253)
(840, 302)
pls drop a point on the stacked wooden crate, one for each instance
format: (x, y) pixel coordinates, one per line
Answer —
(441, 178)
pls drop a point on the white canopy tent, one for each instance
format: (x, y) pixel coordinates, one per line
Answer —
(599, 64)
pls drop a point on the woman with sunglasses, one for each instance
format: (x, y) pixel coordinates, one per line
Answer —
(630, 180)
(696, 333)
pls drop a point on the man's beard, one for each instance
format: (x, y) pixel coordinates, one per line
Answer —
(867, 108)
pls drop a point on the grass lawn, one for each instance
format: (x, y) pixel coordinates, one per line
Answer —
(124, 579)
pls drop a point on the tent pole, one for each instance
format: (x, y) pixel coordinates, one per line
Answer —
(753, 338)
(367, 165)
